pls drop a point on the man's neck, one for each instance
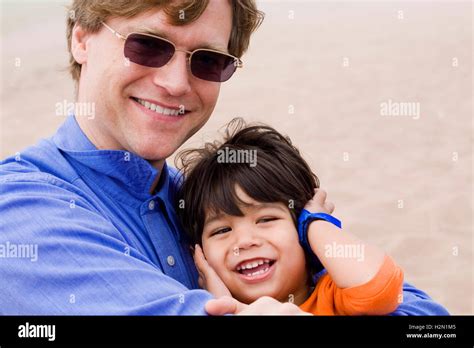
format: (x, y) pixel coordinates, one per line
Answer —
(159, 166)
(102, 144)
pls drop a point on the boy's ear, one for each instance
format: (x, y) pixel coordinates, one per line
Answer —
(79, 47)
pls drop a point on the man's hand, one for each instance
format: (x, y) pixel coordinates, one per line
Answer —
(318, 203)
(208, 278)
(263, 306)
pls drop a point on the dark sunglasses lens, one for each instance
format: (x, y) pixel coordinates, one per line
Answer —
(212, 66)
(147, 50)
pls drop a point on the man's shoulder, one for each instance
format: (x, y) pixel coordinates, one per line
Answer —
(40, 180)
(41, 163)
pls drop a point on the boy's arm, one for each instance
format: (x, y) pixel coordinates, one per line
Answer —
(412, 302)
(361, 278)
(349, 261)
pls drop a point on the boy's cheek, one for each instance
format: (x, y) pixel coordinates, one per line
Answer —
(215, 260)
(206, 249)
(218, 263)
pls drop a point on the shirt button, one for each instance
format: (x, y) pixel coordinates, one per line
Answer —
(170, 260)
(151, 205)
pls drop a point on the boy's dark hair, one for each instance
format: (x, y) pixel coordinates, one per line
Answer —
(280, 175)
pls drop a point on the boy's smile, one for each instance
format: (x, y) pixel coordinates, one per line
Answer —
(256, 270)
(257, 254)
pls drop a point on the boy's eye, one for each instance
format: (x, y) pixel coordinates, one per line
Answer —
(221, 231)
(267, 219)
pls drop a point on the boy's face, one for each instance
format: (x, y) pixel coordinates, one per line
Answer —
(257, 254)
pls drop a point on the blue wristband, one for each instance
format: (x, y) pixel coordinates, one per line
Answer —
(304, 220)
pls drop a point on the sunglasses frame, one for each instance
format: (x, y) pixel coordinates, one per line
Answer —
(237, 61)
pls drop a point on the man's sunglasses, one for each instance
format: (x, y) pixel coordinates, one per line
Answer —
(155, 52)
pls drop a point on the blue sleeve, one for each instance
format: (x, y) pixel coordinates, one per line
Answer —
(82, 265)
(417, 302)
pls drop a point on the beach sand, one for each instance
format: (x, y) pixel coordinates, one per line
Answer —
(322, 73)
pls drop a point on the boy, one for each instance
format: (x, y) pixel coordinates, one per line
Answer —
(261, 228)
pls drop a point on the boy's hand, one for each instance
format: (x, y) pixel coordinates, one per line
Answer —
(208, 278)
(318, 203)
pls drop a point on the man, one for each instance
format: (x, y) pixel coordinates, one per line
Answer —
(96, 200)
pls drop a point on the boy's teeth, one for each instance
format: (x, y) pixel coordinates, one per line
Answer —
(158, 108)
(253, 264)
(259, 272)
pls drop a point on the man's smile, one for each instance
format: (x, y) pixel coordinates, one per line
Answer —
(160, 109)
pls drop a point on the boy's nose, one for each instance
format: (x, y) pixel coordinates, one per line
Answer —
(174, 76)
(246, 240)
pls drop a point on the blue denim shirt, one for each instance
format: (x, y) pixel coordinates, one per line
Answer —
(104, 244)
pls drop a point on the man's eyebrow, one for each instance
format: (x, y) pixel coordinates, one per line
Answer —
(149, 31)
(145, 30)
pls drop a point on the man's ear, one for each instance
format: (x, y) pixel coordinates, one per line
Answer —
(79, 47)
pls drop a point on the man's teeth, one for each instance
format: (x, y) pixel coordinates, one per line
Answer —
(253, 264)
(159, 109)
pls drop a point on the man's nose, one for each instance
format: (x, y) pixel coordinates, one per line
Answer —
(174, 76)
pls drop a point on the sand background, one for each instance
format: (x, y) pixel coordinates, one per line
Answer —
(318, 71)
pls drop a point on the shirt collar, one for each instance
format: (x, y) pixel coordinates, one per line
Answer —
(130, 170)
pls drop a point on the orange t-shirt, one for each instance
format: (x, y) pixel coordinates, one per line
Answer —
(381, 295)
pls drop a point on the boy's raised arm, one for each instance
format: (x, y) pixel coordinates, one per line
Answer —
(349, 261)
(361, 279)
(355, 267)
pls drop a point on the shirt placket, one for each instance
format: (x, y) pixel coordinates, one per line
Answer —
(165, 242)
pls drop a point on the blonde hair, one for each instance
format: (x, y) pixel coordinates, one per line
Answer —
(90, 13)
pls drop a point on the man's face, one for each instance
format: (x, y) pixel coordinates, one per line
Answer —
(257, 254)
(115, 84)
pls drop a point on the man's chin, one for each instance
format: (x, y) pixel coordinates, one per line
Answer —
(155, 158)
(154, 150)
